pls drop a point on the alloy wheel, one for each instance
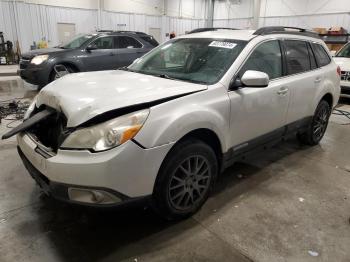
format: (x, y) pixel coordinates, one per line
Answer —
(189, 182)
(320, 123)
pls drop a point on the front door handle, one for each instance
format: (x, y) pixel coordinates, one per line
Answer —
(318, 79)
(282, 91)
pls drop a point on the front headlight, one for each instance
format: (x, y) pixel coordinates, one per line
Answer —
(108, 134)
(37, 60)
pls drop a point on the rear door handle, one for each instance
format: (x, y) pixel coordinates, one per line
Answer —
(282, 91)
(318, 79)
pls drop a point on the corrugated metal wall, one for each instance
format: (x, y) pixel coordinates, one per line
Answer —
(240, 23)
(305, 21)
(308, 21)
(32, 22)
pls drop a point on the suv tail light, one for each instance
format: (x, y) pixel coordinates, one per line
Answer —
(339, 71)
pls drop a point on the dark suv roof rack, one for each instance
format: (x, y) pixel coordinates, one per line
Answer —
(285, 30)
(116, 31)
(198, 30)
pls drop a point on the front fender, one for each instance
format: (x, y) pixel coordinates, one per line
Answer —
(171, 121)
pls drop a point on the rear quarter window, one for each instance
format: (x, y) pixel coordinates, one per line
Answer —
(150, 40)
(321, 55)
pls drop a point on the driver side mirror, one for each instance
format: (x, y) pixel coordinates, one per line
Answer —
(91, 47)
(251, 78)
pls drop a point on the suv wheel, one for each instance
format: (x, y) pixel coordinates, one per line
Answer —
(185, 180)
(318, 126)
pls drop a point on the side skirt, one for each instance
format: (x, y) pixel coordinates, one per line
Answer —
(242, 151)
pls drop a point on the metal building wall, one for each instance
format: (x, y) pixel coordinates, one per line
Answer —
(31, 22)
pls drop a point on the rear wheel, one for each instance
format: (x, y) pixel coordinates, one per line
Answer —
(318, 125)
(185, 180)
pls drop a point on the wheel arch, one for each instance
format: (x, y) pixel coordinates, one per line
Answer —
(205, 135)
(328, 97)
(73, 65)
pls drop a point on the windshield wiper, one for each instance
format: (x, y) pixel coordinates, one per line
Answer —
(125, 68)
(166, 77)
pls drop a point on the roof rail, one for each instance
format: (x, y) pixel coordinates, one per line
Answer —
(205, 29)
(285, 30)
(116, 31)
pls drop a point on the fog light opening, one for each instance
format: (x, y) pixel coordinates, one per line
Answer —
(92, 196)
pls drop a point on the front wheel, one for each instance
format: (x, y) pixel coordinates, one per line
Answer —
(318, 125)
(185, 179)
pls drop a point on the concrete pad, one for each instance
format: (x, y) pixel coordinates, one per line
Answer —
(290, 203)
(8, 70)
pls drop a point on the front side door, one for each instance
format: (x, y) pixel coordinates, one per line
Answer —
(260, 112)
(102, 57)
(127, 50)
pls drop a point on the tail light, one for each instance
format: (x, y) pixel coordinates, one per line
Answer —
(338, 71)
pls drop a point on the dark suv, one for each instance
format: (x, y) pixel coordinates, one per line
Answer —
(90, 52)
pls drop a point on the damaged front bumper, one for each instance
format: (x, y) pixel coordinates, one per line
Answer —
(120, 175)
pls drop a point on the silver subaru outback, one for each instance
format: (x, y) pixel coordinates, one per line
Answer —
(163, 128)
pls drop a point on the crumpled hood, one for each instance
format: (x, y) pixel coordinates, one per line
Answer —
(82, 96)
(343, 63)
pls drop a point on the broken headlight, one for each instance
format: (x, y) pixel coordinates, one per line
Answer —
(107, 135)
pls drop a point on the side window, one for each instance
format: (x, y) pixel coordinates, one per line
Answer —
(104, 42)
(297, 56)
(265, 58)
(313, 64)
(127, 42)
(321, 55)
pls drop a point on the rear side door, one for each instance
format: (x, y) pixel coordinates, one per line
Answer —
(259, 114)
(304, 77)
(127, 49)
(102, 57)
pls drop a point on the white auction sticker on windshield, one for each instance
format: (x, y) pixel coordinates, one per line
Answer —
(228, 45)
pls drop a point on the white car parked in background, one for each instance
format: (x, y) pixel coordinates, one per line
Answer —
(167, 125)
(342, 58)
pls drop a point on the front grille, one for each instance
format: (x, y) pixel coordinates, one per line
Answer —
(23, 63)
(345, 75)
(51, 131)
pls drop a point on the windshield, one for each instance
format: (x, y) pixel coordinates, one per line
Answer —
(195, 60)
(344, 52)
(76, 42)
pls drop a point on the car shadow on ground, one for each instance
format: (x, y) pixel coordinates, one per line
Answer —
(91, 234)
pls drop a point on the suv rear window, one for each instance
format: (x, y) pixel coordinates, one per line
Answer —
(297, 56)
(150, 40)
(321, 55)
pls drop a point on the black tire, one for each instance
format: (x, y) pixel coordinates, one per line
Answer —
(54, 75)
(194, 187)
(318, 125)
